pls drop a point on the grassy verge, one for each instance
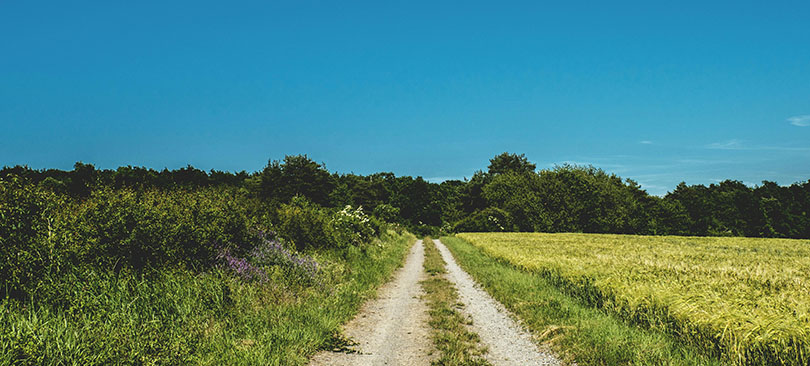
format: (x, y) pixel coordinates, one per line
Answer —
(180, 317)
(457, 345)
(574, 330)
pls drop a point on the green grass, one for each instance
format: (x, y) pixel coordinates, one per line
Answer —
(457, 345)
(572, 328)
(746, 300)
(182, 318)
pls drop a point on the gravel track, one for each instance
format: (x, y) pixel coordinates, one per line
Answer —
(508, 342)
(392, 329)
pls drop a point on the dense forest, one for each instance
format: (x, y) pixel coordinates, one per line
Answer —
(511, 195)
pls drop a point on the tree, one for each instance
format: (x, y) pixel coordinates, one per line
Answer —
(190, 177)
(517, 194)
(507, 162)
(472, 192)
(82, 179)
(297, 175)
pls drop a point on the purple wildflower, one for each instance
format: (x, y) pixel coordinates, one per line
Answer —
(298, 267)
(270, 251)
(242, 267)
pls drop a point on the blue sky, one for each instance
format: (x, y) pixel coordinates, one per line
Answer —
(656, 92)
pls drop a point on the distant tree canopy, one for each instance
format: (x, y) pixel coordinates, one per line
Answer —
(510, 163)
(510, 196)
(296, 176)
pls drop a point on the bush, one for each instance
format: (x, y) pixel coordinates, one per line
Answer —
(25, 222)
(353, 226)
(155, 228)
(306, 225)
(490, 219)
(386, 213)
(309, 226)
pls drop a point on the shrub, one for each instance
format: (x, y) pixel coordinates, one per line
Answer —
(386, 213)
(155, 228)
(353, 226)
(24, 234)
(306, 225)
(490, 219)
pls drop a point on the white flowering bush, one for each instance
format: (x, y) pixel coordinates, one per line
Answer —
(309, 226)
(353, 225)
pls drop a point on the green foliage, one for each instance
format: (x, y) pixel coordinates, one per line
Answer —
(154, 228)
(82, 180)
(296, 176)
(112, 318)
(179, 317)
(730, 208)
(309, 226)
(585, 199)
(353, 226)
(472, 193)
(563, 199)
(42, 233)
(416, 200)
(131, 276)
(510, 163)
(517, 195)
(490, 219)
(386, 213)
(25, 234)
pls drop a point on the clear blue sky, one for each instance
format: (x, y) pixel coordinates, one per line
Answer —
(693, 91)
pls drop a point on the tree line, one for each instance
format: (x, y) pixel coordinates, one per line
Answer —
(510, 195)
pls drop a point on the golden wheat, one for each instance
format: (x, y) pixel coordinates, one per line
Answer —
(746, 300)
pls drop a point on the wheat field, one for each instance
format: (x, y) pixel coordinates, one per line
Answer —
(746, 300)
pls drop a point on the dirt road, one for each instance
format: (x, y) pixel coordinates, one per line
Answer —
(392, 329)
(508, 343)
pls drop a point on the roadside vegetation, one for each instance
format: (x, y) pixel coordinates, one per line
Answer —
(456, 344)
(745, 300)
(574, 330)
(206, 275)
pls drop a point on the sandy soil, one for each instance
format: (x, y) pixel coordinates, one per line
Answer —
(392, 329)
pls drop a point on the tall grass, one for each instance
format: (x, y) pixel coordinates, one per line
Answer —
(183, 317)
(745, 300)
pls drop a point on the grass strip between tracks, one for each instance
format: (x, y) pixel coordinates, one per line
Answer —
(457, 345)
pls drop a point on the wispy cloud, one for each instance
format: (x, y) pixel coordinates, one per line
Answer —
(801, 121)
(645, 142)
(739, 145)
(726, 145)
(681, 162)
